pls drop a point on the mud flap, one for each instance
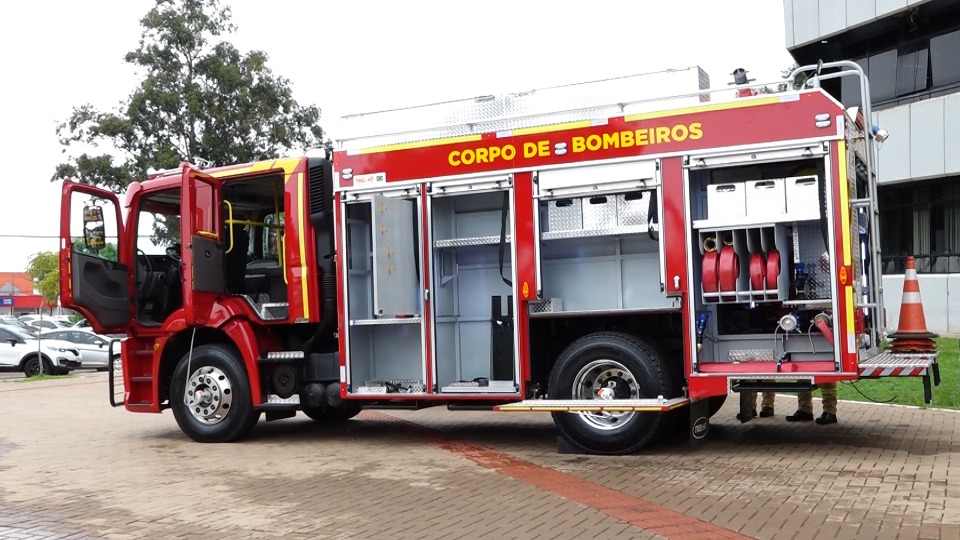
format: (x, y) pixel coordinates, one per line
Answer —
(699, 421)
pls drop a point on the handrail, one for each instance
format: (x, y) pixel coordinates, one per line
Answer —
(622, 105)
(229, 222)
(848, 68)
(281, 237)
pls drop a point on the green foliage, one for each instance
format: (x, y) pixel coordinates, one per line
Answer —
(108, 252)
(44, 270)
(41, 377)
(200, 98)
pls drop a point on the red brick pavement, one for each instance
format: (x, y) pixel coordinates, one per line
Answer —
(71, 465)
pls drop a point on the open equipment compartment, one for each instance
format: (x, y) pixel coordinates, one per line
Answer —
(761, 266)
(595, 228)
(473, 293)
(384, 301)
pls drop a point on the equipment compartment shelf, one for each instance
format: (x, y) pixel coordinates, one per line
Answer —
(492, 240)
(393, 320)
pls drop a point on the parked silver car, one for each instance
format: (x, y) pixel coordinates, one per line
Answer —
(93, 347)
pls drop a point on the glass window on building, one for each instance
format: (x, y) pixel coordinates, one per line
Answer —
(923, 220)
(912, 69)
(944, 59)
(882, 72)
(850, 87)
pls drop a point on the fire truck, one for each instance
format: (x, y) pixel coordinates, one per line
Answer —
(622, 262)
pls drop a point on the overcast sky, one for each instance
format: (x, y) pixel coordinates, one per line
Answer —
(354, 56)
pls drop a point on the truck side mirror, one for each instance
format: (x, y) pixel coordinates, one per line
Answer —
(93, 228)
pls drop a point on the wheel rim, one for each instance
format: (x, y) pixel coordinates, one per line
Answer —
(605, 379)
(208, 395)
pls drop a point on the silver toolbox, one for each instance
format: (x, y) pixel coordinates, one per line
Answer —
(632, 212)
(565, 216)
(599, 212)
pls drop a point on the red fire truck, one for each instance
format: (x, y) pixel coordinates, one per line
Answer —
(620, 265)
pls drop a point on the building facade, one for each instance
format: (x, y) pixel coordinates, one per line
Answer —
(910, 50)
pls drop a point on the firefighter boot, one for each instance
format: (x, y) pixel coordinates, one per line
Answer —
(829, 393)
(804, 408)
(766, 405)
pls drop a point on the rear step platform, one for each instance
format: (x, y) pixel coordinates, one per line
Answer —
(896, 364)
(593, 405)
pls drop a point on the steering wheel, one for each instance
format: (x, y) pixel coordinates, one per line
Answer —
(142, 259)
(174, 252)
(145, 275)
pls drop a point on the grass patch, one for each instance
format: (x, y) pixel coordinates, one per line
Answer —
(909, 390)
(44, 377)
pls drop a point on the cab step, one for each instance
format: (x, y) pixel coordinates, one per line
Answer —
(593, 405)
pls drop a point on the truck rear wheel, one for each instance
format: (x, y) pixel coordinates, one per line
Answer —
(615, 361)
(212, 401)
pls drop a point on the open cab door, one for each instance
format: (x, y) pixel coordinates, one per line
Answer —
(92, 279)
(202, 249)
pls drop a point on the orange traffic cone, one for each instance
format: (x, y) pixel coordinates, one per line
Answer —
(912, 334)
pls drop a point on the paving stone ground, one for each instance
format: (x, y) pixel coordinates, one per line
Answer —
(73, 467)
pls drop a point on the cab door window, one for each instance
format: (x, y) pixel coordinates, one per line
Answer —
(157, 256)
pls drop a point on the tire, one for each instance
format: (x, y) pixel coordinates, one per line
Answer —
(31, 368)
(333, 416)
(633, 369)
(225, 411)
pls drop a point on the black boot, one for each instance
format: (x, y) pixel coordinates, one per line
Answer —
(827, 418)
(800, 416)
(766, 412)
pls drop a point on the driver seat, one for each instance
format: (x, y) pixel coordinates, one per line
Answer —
(173, 297)
(235, 262)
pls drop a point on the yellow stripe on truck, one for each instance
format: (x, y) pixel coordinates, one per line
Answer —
(302, 219)
(844, 203)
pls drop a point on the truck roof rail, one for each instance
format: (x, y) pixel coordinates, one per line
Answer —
(558, 104)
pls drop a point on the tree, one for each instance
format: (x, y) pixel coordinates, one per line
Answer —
(44, 270)
(200, 98)
(108, 252)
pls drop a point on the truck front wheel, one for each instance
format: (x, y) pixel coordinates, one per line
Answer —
(610, 365)
(210, 395)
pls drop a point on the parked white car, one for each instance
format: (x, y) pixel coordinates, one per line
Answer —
(93, 347)
(46, 323)
(19, 351)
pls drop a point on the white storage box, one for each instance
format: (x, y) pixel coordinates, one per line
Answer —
(726, 201)
(803, 199)
(766, 199)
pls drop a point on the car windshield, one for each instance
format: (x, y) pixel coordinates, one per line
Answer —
(19, 333)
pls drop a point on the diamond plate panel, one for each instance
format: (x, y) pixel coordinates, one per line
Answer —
(548, 305)
(633, 212)
(751, 355)
(564, 218)
(810, 251)
(600, 215)
(392, 386)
